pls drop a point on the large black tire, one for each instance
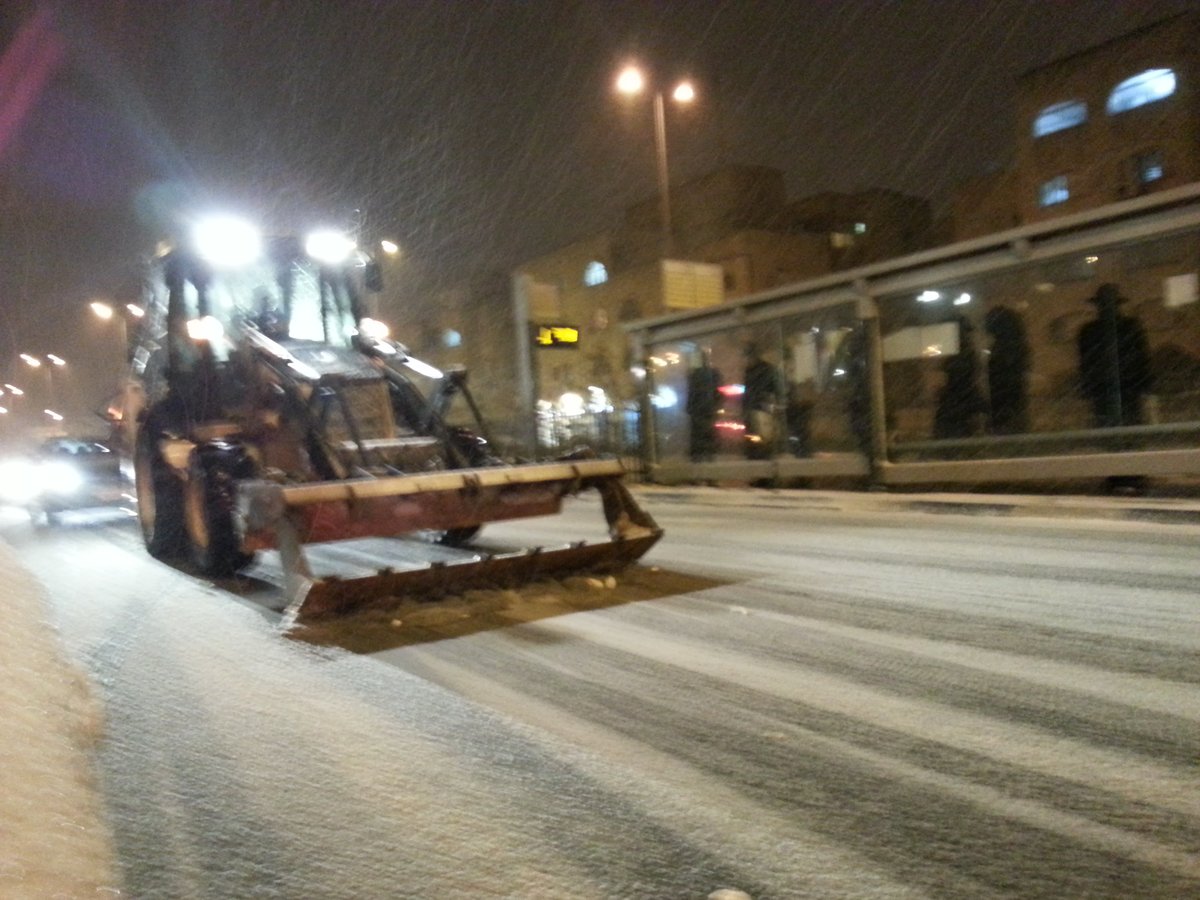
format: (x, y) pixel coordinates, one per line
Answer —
(160, 498)
(210, 506)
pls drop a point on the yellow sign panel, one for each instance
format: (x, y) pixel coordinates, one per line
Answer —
(556, 336)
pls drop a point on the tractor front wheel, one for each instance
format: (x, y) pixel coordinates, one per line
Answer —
(160, 498)
(216, 547)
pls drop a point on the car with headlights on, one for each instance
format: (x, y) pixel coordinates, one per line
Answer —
(67, 473)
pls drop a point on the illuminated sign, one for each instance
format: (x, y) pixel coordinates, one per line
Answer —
(557, 336)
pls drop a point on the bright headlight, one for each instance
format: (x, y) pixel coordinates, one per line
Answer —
(329, 247)
(59, 478)
(227, 242)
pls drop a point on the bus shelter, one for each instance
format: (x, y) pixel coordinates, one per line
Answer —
(1059, 351)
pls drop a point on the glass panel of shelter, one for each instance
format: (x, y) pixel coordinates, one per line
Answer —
(822, 372)
(754, 392)
(982, 366)
(1160, 283)
(699, 390)
(937, 343)
(1016, 352)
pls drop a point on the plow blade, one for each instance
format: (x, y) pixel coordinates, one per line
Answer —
(289, 516)
(330, 596)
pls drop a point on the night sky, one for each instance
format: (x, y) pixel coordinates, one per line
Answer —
(475, 134)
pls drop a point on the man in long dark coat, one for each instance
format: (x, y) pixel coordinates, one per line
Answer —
(1114, 362)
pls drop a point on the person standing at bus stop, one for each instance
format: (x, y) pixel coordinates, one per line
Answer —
(1114, 362)
(703, 401)
(1114, 372)
(759, 404)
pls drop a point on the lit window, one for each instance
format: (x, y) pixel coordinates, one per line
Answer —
(860, 227)
(1059, 117)
(1146, 87)
(1054, 191)
(1150, 166)
(595, 273)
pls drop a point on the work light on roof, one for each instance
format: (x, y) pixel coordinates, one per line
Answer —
(373, 328)
(227, 242)
(330, 247)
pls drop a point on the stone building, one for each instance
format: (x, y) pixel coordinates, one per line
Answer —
(734, 233)
(1110, 123)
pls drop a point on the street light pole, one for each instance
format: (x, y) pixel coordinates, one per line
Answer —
(54, 363)
(630, 82)
(664, 182)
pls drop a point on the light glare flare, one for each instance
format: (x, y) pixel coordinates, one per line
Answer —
(227, 241)
(206, 329)
(59, 477)
(331, 247)
(631, 80)
(373, 328)
(571, 404)
(665, 397)
(423, 368)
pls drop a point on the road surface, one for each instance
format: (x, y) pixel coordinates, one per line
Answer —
(789, 699)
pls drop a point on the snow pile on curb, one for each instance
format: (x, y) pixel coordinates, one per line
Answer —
(54, 841)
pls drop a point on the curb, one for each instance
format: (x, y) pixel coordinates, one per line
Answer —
(1165, 511)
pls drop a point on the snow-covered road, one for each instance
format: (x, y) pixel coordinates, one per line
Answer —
(788, 700)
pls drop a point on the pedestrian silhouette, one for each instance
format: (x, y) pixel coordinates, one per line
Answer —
(703, 401)
(759, 402)
(960, 402)
(1114, 362)
(1007, 371)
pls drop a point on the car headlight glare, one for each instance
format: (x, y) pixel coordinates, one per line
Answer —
(60, 478)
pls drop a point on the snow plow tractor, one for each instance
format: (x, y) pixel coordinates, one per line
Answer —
(267, 412)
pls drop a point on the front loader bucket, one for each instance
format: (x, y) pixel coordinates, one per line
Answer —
(290, 516)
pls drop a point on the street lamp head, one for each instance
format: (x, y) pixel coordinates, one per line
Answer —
(32, 361)
(391, 248)
(684, 92)
(631, 81)
(101, 310)
(134, 310)
(57, 360)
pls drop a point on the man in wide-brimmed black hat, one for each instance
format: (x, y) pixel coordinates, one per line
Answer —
(1114, 362)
